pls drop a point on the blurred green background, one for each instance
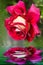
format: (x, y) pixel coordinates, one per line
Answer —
(4, 41)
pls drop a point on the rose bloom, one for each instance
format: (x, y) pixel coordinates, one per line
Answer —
(20, 55)
(22, 24)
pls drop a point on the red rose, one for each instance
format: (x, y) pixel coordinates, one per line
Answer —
(21, 55)
(21, 24)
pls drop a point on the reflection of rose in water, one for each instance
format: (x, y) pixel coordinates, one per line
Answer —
(16, 55)
(20, 55)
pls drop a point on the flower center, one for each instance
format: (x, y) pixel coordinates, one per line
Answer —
(19, 19)
(19, 54)
(20, 26)
(19, 23)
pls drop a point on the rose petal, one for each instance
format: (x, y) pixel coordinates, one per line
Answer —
(8, 22)
(36, 29)
(34, 9)
(22, 62)
(38, 52)
(35, 59)
(18, 9)
(33, 14)
(33, 32)
(31, 35)
(10, 9)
